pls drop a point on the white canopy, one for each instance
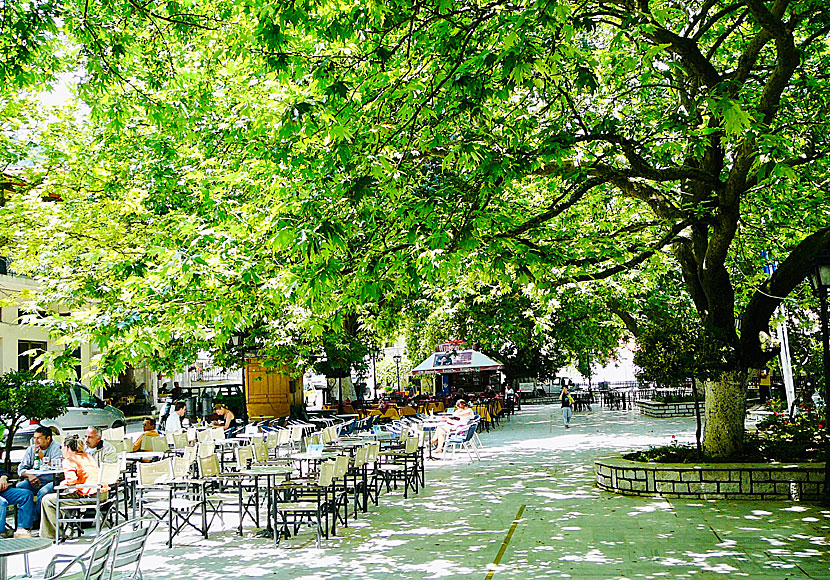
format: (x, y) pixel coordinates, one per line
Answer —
(462, 361)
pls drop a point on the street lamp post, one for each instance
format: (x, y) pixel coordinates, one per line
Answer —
(820, 281)
(238, 341)
(375, 354)
(397, 359)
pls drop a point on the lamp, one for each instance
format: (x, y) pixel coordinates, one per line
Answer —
(376, 352)
(238, 343)
(820, 281)
(397, 358)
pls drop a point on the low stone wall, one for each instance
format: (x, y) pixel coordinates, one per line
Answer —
(800, 481)
(654, 409)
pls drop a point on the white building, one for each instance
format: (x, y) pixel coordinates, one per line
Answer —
(17, 338)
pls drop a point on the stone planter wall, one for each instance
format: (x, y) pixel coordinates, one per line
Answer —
(752, 481)
(655, 409)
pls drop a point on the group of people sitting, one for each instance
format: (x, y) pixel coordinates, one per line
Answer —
(175, 411)
(34, 495)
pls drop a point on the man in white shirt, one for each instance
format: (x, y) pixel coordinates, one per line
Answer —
(101, 450)
(174, 419)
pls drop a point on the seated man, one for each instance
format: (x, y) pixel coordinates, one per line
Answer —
(23, 499)
(97, 448)
(174, 419)
(46, 452)
(149, 427)
(78, 468)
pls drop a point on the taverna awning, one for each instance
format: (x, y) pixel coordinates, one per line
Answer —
(462, 361)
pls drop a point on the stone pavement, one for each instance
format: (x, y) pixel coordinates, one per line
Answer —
(531, 505)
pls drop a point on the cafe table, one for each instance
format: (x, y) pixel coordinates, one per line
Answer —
(268, 472)
(309, 458)
(13, 546)
(46, 471)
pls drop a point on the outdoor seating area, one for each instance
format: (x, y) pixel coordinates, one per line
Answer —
(278, 482)
(458, 524)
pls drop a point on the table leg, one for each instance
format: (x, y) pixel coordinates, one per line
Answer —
(268, 527)
(241, 507)
(3, 574)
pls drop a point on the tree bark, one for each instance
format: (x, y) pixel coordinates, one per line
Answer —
(725, 413)
(697, 416)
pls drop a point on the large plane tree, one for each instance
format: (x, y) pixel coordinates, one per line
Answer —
(241, 159)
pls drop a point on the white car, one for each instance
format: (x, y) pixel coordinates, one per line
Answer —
(82, 410)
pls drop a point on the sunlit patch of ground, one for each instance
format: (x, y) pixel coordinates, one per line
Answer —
(458, 525)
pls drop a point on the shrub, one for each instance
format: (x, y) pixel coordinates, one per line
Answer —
(778, 438)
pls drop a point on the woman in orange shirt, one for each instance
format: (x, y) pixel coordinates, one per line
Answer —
(78, 468)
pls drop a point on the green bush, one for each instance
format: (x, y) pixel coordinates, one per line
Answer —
(778, 438)
(670, 399)
(787, 439)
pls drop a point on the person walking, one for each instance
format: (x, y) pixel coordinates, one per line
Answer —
(567, 411)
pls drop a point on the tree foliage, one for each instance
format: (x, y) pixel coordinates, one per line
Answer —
(25, 396)
(300, 162)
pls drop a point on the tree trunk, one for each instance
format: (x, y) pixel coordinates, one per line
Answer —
(697, 416)
(725, 414)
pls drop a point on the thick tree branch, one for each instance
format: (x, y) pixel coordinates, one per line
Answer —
(629, 264)
(790, 273)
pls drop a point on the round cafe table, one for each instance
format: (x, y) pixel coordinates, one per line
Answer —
(12, 546)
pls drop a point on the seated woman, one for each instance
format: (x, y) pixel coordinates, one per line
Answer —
(226, 416)
(78, 468)
(462, 414)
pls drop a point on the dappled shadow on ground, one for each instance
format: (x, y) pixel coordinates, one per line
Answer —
(456, 527)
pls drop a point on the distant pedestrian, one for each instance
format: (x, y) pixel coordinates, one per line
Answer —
(567, 401)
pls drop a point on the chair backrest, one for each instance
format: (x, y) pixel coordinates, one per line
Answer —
(284, 437)
(341, 465)
(209, 466)
(149, 443)
(192, 434)
(155, 471)
(326, 475)
(328, 434)
(205, 448)
(177, 439)
(218, 433)
(109, 473)
(181, 467)
(159, 444)
(471, 432)
(189, 454)
(296, 433)
(114, 433)
(132, 537)
(313, 439)
(411, 445)
(272, 441)
(98, 566)
(204, 435)
(119, 445)
(260, 450)
(373, 452)
(244, 456)
(360, 456)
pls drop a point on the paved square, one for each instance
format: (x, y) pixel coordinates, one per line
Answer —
(459, 524)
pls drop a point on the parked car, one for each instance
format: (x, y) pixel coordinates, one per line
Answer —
(82, 410)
